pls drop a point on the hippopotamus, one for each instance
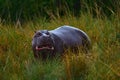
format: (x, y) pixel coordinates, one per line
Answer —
(48, 43)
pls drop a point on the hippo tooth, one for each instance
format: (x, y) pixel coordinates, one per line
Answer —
(36, 47)
(52, 48)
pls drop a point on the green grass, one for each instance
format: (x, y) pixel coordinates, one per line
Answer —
(17, 61)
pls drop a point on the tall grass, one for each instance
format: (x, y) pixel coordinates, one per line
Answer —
(24, 10)
(17, 61)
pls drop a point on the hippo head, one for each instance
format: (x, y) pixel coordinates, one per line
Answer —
(42, 44)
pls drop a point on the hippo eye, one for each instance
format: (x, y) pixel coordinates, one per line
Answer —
(47, 33)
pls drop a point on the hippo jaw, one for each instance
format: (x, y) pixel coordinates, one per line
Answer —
(38, 48)
(43, 52)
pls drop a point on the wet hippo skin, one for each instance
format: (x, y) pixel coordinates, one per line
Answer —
(50, 43)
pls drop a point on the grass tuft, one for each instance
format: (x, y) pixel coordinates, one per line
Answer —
(17, 61)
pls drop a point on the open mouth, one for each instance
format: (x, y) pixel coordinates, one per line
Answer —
(44, 48)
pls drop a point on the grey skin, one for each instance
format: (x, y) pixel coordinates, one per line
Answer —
(50, 43)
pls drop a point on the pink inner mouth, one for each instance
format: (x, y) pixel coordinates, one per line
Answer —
(44, 47)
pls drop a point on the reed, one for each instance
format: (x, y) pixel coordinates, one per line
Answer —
(17, 61)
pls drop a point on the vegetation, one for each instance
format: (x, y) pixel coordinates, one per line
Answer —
(24, 10)
(18, 63)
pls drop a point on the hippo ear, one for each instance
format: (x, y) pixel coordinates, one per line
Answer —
(35, 31)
